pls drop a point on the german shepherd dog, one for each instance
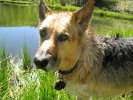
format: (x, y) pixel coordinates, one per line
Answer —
(87, 64)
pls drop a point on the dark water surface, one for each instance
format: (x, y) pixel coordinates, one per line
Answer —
(18, 28)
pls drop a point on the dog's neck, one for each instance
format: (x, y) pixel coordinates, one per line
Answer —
(66, 72)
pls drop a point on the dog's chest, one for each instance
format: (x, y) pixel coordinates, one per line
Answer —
(93, 88)
(77, 89)
(85, 89)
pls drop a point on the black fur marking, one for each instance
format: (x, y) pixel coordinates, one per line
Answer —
(118, 52)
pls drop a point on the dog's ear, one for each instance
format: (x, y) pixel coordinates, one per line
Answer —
(83, 16)
(42, 10)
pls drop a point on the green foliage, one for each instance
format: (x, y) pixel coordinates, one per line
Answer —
(115, 5)
(38, 85)
(18, 84)
(4, 73)
(111, 14)
(106, 3)
(26, 59)
(108, 26)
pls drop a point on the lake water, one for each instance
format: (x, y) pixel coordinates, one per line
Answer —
(14, 39)
(18, 28)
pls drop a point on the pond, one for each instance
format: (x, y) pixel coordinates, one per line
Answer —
(15, 39)
(18, 29)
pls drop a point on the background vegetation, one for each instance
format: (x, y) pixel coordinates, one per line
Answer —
(115, 5)
(19, 82)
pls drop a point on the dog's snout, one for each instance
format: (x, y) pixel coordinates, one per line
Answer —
(41, 63)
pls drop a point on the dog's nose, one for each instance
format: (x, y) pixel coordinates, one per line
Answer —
(41, 63)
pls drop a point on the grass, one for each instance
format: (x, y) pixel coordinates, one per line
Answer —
(117, 15)
(16, 2)
(55, 4)
(110, 26)
(19, 82)
(5, 73)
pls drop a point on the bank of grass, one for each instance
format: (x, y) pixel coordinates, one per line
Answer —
(16, 1)
(19, 82)
(4, 73)
(56, 5)
(111, 26)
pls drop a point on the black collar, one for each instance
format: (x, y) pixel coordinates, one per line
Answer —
(66, 72)
(61, 84)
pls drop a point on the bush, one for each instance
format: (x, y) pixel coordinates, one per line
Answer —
(106, 3)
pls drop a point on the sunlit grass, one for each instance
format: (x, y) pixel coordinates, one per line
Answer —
(5, 71)
(18, 82)
(109, 26)
(16, 1)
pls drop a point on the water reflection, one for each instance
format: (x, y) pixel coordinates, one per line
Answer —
(15, 38)
(18, 15)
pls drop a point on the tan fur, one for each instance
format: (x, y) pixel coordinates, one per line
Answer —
(81, 50)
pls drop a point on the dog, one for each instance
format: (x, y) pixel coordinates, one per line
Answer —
(87, 64)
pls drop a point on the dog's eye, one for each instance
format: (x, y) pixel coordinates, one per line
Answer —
(43, 33)
(62, 37)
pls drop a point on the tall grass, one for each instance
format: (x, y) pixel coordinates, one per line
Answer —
(17, 82)
(4, 73)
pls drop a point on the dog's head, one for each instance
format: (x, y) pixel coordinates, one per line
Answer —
(61, 35)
